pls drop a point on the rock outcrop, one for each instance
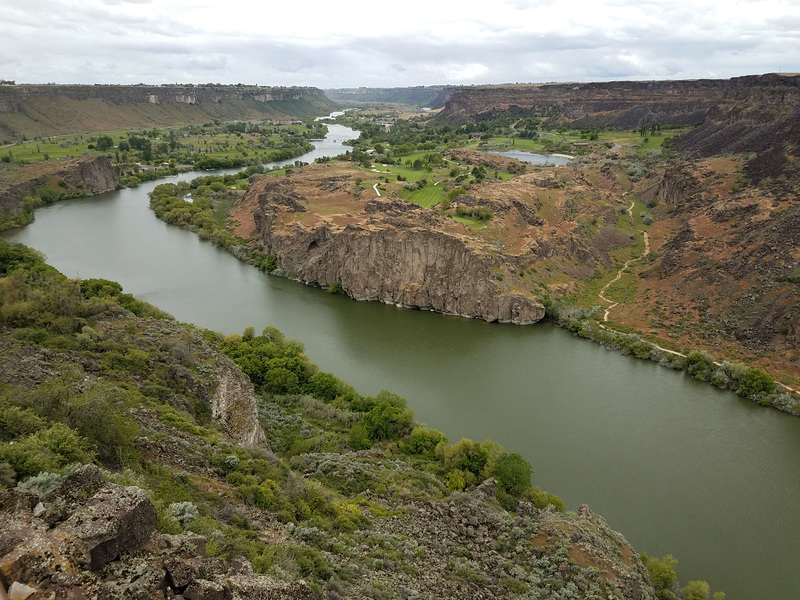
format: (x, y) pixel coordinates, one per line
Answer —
(234, 406)
(107, 546)
(394, 252)
(82, 176)
(680, 188)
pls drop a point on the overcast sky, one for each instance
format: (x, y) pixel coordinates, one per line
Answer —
(376, 43)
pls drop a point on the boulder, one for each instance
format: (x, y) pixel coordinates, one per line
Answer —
(114, 521)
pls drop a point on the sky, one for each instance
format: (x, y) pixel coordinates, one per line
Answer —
(354, 43)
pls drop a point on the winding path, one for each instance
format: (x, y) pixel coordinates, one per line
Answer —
(628, 263)
(613, 304)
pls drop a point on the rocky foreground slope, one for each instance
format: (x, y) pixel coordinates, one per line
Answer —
(190, 502)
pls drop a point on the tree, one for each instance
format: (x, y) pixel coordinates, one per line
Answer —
(387, 421)
(697, 590)
(700, 365)
(103, 143)
(466, 455)
(424, 441)
(513, 472)
(662, 570)
(756, 384)
(323, 385)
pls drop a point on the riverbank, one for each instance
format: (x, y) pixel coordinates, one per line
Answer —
(726, 375)
(616, 434)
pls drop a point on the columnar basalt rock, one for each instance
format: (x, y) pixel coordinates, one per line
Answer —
(395, 253)
(234, 406)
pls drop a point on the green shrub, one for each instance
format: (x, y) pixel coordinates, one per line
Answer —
(424, 441)
(43, 482)
(697, 590)
(358, 438)
(700, 365)
(46, 450)
(755, 384)
(513, 472)
(662, 570)
(541, 499)
(455, 480)
(183, 512)
(17, 422)
(465, 455)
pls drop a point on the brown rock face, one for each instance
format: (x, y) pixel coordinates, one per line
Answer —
(92, 174)
(679, 187)
(393, 253)
(108, 548)
(234, 405)
(624, 104)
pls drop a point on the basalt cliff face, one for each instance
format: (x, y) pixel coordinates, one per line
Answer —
(395, 252)
(626, 104)
(86, 175)
(548, 233)
(42, 110)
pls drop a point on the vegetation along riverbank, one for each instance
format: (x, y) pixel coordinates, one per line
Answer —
(297, 484)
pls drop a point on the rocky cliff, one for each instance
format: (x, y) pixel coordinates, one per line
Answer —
(549, 231)
(82, 176)
(233, 404)
(433, 96)
(628, 104)
(42, 110)
(391, 251)
(87, 538)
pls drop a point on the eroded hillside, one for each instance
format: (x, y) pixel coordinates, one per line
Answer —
(550, 231)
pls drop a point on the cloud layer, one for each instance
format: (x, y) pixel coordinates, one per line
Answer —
(358, 43)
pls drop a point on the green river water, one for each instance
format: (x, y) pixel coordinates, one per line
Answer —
(677, 466)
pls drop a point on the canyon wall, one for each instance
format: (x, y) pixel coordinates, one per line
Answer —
(395, 252)
(86, 175)
(46, 110)
(628, 104)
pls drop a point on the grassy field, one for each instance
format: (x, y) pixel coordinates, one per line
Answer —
(58, 147)
(177, 143)
(428, 196)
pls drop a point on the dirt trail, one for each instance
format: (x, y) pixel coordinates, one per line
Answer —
(613, 304)
(628, 263)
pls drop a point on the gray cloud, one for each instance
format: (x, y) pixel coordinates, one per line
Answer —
(155, 41)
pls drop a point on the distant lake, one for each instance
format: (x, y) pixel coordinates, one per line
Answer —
(556, 160)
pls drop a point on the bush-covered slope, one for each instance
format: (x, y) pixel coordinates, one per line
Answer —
(346, 492)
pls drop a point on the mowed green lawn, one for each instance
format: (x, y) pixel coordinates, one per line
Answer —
(428, 196)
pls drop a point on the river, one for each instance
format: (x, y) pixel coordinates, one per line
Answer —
(677, 466)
